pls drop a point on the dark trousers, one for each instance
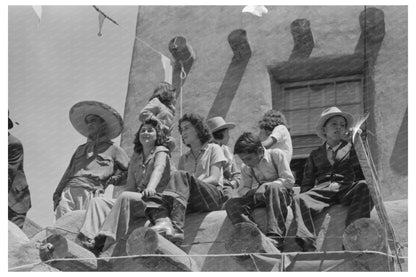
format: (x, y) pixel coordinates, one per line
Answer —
(276, 200)
(308, 204)
(16, 218)
(184, 192)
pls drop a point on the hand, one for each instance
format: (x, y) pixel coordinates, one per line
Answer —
(259, 194)
(113, 180)
(149, 192)
(334, 186)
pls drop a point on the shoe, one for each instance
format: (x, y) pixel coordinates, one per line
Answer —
(306, 244)
(163, 226)
(99, 242)
(277, 240)
(85, 241)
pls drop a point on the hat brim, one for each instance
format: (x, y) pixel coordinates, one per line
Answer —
(10, 124)
(112, 118)
(228, 125)
(320, 125)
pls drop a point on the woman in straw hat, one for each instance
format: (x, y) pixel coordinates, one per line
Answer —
(95, 164)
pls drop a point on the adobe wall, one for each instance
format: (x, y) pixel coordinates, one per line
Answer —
(336, 31)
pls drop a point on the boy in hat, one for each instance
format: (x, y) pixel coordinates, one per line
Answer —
(220, 133)
(19, 194)
(332, 175)
(95, 164)
(266, 181)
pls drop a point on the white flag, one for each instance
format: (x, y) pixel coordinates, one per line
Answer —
(257, 10)
(167, 67)
(38, 11)
(100, 23)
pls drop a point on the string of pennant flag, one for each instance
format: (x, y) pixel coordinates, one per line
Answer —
(256, 10)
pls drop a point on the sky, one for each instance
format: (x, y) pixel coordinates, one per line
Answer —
(54, 64)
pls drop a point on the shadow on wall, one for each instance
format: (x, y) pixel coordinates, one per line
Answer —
(399, 156)
(226, 93)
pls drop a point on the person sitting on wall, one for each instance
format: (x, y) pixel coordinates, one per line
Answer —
(161, 107)
(196, 186)
(95, 164)
(149, 172)
(332, 175)
(19, 194)
(267, 181)
(220, 133)
(274, 133)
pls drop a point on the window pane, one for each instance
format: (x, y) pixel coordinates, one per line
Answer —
(349, 92)
(322, 95)
(296, 98)
(298, 121)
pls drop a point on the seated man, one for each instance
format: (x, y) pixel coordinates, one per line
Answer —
(95, 164)
(332, 175)
(266, 181)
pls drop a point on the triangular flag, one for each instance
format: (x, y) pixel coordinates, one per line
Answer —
(38, 11)
(101, 18)
(257, 10)
(167, 67)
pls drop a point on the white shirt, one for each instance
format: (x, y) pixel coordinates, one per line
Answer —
(283, 141)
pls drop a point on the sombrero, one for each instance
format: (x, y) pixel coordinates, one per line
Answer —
(112, 118)
(328, 113)
(218, 123)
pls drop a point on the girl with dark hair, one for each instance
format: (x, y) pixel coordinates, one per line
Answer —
(274, 133)
(197, 185)
(148, 174)
(161, 107)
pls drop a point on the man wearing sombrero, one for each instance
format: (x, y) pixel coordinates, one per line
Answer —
(332, 175)
(95, 164)
(19, 194)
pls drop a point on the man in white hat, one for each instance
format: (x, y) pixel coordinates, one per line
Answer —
(95, 164)
(220, 132)
(332, 175)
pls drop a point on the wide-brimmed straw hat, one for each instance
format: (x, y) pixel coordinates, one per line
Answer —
(327, 114)
(111, 117)
(218, 123)
(10, 122)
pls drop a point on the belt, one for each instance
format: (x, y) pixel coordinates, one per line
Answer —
(331, 178)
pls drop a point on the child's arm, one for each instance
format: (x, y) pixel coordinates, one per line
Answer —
(246, 180)
(215, 174)
(161, 158)
(278, 135)
(285, 173)
(269, 142)
(151, 110)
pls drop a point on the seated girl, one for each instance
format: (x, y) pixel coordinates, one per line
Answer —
(148, 173)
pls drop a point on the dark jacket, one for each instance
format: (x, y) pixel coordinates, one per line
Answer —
(19, 195)
(318, 169)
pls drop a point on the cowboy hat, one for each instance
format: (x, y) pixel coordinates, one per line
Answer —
(327, 114)
(111, 117)
(218, 123)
